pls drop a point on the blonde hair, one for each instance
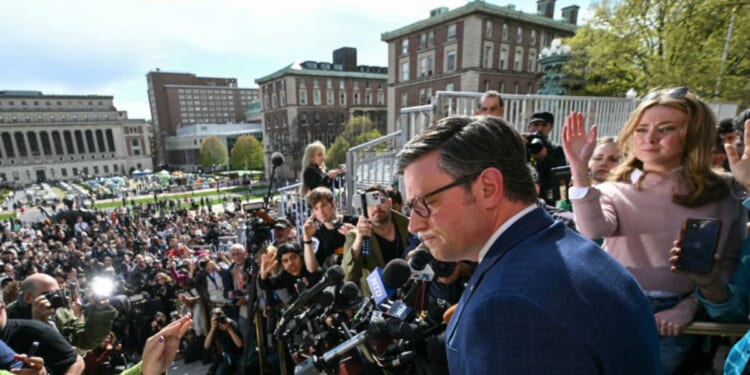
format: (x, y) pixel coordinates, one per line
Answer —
(307, 160)
(704, 186)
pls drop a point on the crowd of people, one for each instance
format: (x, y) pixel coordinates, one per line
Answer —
(510, 249)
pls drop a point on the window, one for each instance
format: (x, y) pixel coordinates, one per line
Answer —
(519, 35)
(302, 96)
(381, 97)
(405, 46)
(449, 87)
(533, 37)
(425, 66)
(316, 97)
(452, 32)
(487, 58)
(404, 100)
(405, 71)
(356, 98)
(450, 60)
(488, 29)
(329, 97)
(342, 98)
(532, 61)
(486, 85)
(503, 58)
(515, 88)
(505, 32)
(431, 39)
(518, 60)
(423, 41)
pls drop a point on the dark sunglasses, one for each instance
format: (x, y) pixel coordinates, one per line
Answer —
(674, 93)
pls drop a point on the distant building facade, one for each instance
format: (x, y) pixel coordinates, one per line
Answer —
(183, 149)
(476, 47)
(183, 99)
(60, 137)
(309, 101)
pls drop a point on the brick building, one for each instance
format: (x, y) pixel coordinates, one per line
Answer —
(476, 47)
(310, 100)
(182, 99)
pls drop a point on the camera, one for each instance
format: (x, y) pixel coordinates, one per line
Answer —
(56, 298)
(221, 318)
(535, 142)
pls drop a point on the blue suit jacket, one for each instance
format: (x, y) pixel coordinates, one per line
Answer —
(545, 300)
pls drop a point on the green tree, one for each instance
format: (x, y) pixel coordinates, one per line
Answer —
(358, 130)
(247, 153)
(213, 153)
(651, 43)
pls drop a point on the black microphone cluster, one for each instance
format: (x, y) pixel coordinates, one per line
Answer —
(336, 323)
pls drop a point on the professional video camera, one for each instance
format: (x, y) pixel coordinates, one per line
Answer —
(259, 226)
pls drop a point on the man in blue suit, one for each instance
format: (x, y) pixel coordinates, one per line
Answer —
(543, 299)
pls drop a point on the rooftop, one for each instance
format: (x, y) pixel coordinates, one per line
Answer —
(313, 68)
(471, 7)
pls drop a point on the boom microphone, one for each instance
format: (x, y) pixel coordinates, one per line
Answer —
(277, 159)
(419, 264)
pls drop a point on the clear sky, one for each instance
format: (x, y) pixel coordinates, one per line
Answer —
(106, 47)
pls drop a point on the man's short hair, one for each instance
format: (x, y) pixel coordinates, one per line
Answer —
(491, 94)
(318, 194)
(394, 194)
(468, 145)
(376, 187)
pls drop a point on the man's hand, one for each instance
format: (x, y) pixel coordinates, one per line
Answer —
(364, 227)
(309, 228)
(740, 164)
(41, 308)
(32, 365)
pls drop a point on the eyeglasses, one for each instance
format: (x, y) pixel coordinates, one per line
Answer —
(419, 204)
(675, 93)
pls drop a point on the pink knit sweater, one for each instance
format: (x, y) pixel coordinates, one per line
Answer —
(639, 227)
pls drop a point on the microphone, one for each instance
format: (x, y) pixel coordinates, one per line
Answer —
(347, 296)
(396, 273)
(379, 287)
(334, 275)
(419, 264)
(277, 159)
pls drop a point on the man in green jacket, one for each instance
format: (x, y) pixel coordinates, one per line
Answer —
(378, 238)
(84, 334)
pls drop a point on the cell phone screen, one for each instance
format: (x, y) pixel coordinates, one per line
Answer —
(698, 241)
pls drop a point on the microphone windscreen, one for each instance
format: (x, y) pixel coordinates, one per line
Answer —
(419, 259)
(325, 298)
(349, 291)
(277, 159)
(396, 273)
(335, 274)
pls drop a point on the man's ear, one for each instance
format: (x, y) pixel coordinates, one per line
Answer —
(489, 187)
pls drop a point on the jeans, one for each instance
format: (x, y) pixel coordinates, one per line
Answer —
(673, 349)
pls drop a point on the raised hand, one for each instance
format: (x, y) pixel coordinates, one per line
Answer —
(577, 145)
(740, 164)
(160, 349)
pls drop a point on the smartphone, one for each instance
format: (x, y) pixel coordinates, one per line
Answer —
(699, 239)
(361, 201)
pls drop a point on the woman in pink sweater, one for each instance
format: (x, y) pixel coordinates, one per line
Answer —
(664, 179)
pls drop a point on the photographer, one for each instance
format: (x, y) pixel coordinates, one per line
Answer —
(42, 299)
(543, 154)
(224, 339)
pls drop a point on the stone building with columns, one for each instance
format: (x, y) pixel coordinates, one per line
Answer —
(60, 137)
